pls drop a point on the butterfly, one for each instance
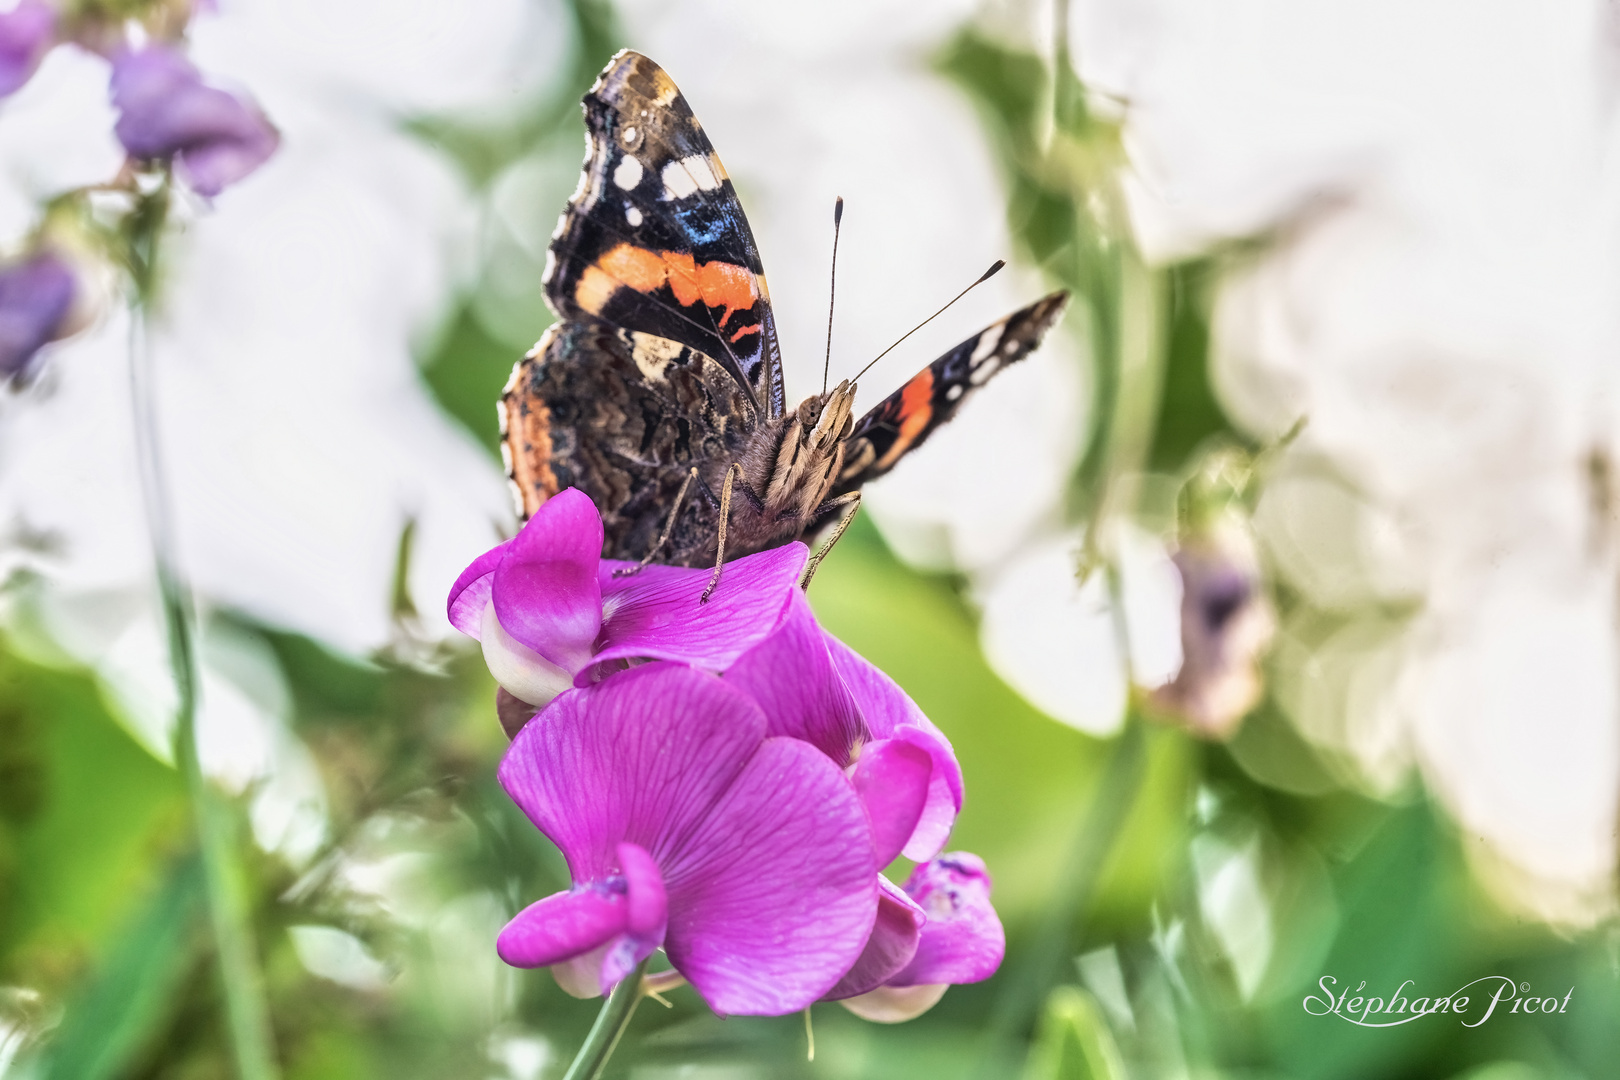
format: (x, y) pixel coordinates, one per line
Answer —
(658, 391)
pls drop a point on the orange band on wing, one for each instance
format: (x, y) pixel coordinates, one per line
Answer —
(726, 285)
(717, 284)
(916, 409)
(638, 268)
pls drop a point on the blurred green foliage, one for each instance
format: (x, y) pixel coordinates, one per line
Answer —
(1117, 967)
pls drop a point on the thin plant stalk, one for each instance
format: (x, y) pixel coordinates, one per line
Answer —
(247, 1015)
(1049, 949)
(609, 1028)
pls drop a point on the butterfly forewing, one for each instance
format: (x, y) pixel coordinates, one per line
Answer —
(655, 240)
(906, 418)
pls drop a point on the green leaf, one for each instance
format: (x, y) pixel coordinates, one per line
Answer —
(133, 991)
(98, 808)
(1073, 1041)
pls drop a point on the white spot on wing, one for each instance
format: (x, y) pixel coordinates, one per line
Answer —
(953, 392)
(633, 216)
(688, 176)
(678, 183)
(981, 374)
(987, 344)
(628, 174)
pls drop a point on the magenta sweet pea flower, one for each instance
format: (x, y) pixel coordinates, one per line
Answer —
(36, 298)
(27, 33)
(746, 857)
(551, 614)
(167, 111)
(813, 687)
(940, 931)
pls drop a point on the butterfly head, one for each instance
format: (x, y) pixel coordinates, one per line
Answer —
(825, 419)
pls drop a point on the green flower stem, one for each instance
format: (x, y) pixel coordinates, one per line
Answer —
(609, 1028)
(1050, 949)
(247, 1015)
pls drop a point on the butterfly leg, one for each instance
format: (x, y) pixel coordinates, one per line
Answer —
(739, 484)
(669, 527)
(733, 476)
(851, 500)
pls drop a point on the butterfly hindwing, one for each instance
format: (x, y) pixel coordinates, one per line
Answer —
(655, 240)
(623, 416)
(906, 418)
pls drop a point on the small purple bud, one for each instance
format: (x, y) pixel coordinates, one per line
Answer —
(27, 33)
(36, 297)
(1226, 624)
(165, 110)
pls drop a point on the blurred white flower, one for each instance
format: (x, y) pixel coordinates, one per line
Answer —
(1439, 305)
(341, 957)
(1058, 641)
(297, 432)
(55, 135)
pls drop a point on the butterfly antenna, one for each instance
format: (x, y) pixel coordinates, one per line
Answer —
(984, 277)
(832, 290)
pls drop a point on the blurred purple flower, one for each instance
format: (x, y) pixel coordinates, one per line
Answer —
(747, 858)
(813, 687)
(1226, 623)
(550, 614)
(36, 297)
(27, 33)
(165, 110)
(940, 931)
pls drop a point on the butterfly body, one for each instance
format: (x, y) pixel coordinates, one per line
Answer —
(664, 358)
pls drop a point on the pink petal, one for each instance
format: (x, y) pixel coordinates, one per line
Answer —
(655, 615)
(595, 935)
(470, 594)
(962, 941)
(891, 946)
(892, 779)
(944, 800)
(774, 899)
(545, 590)
(640, 757)
(890, 713)
(791, 676)
(563, 926)
(649, 902)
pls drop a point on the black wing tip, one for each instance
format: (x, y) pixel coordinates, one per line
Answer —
(622, 67)
(1034, 321)
(1029, 326)
(1051, 305)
